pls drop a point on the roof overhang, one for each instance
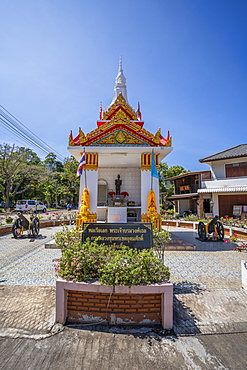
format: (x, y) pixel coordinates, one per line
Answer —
(186, 175)
(124, 156)
(184, 196)
(228, 189)
(209, 160)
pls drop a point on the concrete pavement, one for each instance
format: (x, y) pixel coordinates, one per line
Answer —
(90, 350)
(30, 339)
(210, 325)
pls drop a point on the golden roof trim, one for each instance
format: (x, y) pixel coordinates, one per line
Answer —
(120, 102)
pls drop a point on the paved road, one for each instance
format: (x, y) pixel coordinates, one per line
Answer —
(30, 339)
(92, 350)
(212, 265)
(25, 261)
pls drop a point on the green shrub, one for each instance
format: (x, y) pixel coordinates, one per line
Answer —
(66, 237)
(133, 267)
(124, 266)
(81, 261)
(160, 239)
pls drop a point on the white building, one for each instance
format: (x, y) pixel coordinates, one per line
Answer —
(228, 185)
(119, 148)
(220, 191)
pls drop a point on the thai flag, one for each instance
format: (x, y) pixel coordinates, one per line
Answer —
(81, 164)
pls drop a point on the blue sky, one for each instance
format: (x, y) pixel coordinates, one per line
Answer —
(185, 61)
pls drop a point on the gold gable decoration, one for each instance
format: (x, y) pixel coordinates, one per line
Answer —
(120, 101)
(121, 137)
(157, 136)
(169, 142)
(135, 134)
(81, 136)
(84, 139)
(120, 118)
(70, 141)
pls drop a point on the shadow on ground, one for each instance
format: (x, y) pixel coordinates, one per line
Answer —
(187, 287)
(31, 237)
(184, 322)
(142, 332)
(204, 246)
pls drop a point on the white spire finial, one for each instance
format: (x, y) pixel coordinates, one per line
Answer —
(120, 64)
(120, 83)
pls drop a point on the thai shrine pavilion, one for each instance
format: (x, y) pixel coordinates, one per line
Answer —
(117, 185)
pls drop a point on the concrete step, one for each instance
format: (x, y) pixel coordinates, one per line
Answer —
(177, 244)
(51, 245)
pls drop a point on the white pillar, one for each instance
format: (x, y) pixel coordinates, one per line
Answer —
(216, 204)
(92, 185)
(146, 187)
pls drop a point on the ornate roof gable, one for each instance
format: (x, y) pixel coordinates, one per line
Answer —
(120, 104)
(119, 125)
(119, 133)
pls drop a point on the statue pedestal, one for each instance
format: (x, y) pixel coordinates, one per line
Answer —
(117, 215)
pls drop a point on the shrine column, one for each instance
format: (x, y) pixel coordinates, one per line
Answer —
(89, 180)
(147, 182)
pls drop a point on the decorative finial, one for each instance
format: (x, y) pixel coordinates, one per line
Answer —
(100, 111)
(139, 114)
(120, 85)
(120, 64)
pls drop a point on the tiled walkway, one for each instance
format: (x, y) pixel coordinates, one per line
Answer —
(26, 261)
(213, 265)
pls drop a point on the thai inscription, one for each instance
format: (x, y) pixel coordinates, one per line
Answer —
(137, 235)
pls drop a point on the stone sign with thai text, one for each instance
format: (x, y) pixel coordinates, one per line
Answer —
(134, 235)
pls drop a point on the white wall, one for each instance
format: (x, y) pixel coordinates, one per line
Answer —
(218, 167)
(234, 182)
(136, 182)
(218, 170)
(131, 180)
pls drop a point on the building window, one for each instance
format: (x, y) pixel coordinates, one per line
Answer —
(236, 169)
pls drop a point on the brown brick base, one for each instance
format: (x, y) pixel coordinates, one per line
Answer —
(88, 307)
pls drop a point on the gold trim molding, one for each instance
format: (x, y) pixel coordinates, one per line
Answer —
(146, 161)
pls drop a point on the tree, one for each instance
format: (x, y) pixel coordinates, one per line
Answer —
(51, 179)
(165, 172)
(19, 167)
(60, 184)
(52, 164)
(71, 183)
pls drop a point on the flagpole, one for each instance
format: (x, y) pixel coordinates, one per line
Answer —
(85, 169)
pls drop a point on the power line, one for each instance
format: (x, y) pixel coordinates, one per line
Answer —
(20, 135)
(12, 124)
(26, 135)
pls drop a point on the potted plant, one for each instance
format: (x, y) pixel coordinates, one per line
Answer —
(111, 285)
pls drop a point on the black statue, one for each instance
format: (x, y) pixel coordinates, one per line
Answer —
(118, 184)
